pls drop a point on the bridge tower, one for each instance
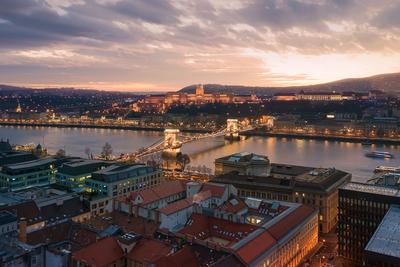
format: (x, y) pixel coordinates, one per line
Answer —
(172, 145)
(232, 129)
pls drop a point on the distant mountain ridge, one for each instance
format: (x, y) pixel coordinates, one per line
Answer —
(385, 82)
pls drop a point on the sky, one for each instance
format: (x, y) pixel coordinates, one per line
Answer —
(139, 45)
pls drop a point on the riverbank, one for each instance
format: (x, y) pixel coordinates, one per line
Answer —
(257, 132)
(351, 139)
(97, 126)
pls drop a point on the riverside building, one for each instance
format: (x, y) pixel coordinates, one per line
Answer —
(28, 174)
(254, 176)
(73, 175)
(119, 180)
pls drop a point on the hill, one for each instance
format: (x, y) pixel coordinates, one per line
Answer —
(385, 82)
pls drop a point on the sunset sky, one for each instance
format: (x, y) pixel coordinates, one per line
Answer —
(165, 45)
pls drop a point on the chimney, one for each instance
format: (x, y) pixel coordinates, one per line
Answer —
(22, 230)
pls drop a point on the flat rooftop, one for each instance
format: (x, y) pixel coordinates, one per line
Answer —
(29, 164)
(116, 172)
(386, 239)
(243, 157)
(82, 166)
(288, 177)
(371, 189)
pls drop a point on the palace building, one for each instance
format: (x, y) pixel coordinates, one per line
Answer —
(160, 103)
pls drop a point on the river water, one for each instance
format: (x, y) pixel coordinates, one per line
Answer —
(341, 155)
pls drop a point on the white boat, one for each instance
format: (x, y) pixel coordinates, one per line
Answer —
(387, 169)
(379, 154)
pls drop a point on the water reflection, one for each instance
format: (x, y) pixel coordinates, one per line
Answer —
(342, 155)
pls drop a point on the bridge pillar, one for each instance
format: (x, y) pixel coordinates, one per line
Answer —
(172, 145)
(232, 129)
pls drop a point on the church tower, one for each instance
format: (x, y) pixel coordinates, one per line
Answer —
(199, 89)
(18, 109)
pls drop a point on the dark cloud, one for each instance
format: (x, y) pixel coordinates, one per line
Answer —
(389, 17)
(158, 34)
(153, 11)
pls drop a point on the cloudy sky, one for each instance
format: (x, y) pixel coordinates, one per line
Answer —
(165, 45)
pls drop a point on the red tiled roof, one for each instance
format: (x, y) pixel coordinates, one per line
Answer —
(201, 196)
(67, 231)
(101, 253)
(183, 257)
(252, 249)
(217, 190)
(52, 234)
(160, 191)
(148, 251)
(279, 229)
(28, 210)
(177, 206)
(203, 227)
(232, 206)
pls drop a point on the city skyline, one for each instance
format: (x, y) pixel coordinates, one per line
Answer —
(157, 45)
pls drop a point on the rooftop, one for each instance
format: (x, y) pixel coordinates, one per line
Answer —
(289, 177)
(7, 217)
(216, 230)
(101, 253)
(74, 233)
(82, 166)
(158, 192)
(266, 224)
(372, 189)
(46, 162)
(116, 172)
(386, 239)
(177, 206)
(243, 157)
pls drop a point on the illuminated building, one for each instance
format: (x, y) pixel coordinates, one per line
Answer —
(265, 233)
(159, 103)
(28, 174)
(361, 210)
(119, 180)
(254, 176)
(73, 174)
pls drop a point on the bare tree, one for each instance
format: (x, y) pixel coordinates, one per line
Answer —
(107, 151)
(60, 153)
(183, 160)
(88, 152)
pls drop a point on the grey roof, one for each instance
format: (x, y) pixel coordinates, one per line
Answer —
(386, 239)
(116, 172)
(82, 166)
(371, 189)
(30, 164)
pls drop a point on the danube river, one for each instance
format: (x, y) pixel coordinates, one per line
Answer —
(342, 155)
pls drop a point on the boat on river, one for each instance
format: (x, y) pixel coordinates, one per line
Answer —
(379, 155)
(380, 169)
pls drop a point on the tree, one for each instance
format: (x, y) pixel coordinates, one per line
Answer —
(183, 160)
(88, 152)
(60, 153)
(107, 151)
